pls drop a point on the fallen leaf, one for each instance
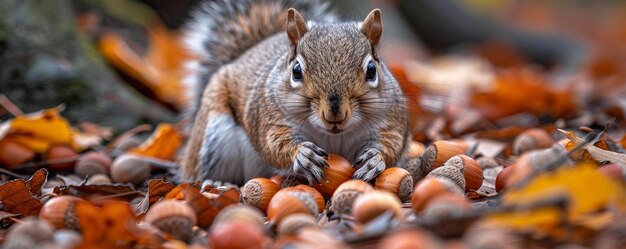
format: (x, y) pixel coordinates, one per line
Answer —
(157, 188)
(16, 198)
(41, 129)
(590, 194)
(111, 225)
(206, 207)
(163, 144)
(36, 182)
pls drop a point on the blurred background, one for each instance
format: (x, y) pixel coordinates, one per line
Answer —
(499, 63)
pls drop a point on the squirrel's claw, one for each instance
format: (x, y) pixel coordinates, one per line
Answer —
(370, 164)
(310, 162)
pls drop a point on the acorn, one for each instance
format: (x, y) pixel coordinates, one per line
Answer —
(13, 153)
(239, 213)
(286, 203)
(453, 173)
(445, 205)
(472, 172)
(258, 192)
(439, 152)
(61, 152)
(319, 199)
(428, 188)
(35, 230)
(128, 168)
(413, 239)
(531, 139)
(370, 205)
(98, 179)
(61, 213)
(416, 168)
(92, 163)
(501, 179)
(238, 235)
(127, 143)
(172, 217)
(416, 149)
(292, 224)
(397, 181)
(339, 171)
(346, 193)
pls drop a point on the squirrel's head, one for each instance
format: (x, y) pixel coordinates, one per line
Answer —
(336, 80)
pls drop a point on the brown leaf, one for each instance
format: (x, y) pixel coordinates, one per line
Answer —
(111, 225)
(16, 198)
(99, 189)
(37, 181)
(207, 205)
(157, 188)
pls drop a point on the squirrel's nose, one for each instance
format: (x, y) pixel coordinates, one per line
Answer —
(334, 118)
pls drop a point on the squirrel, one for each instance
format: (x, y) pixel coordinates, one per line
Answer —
(280, 93)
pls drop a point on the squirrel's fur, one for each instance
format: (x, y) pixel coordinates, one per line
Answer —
(255, 119)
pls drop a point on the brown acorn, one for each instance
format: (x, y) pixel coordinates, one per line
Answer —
(60, 212)
(129, 168)
(98, 179)
(13, 153)
(292, 224)
(531, 139)
(238, 235)
(428, 188)
(439, 152)
(61, 152)
(410, 239)
(172, 217)
(346, 194)
(397, 181)
(285, 180)
(258, 192)
(370, 205)
(339, 171)
(241, 213)
(453, 173)
(319, 199)
(286, 203)
(472, 172)
(92, 163)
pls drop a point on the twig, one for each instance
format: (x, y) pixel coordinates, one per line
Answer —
(10, 106)
(8, 172)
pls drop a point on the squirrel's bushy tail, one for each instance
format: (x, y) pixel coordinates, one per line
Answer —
(222, 30)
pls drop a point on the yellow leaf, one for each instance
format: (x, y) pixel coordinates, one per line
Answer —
(588, 191)
(163, 144)
(39, 130)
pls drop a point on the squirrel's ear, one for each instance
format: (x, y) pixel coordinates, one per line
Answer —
(372, 27)
(296, 26)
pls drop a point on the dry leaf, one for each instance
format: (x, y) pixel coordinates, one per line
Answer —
(205, 206)
(41, 129)
(163, 144)
(16, 198)
(157, 188)
(36, 182)
(111, 225)
(589, 193)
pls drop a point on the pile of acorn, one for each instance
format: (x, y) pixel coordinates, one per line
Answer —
(436, 182)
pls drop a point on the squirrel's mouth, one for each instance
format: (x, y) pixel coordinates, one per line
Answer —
(334, 130)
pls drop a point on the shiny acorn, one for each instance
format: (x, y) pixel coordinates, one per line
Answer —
(397, 181)
(258, 192)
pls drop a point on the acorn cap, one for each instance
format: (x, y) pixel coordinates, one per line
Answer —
(452, 173)
(292, 224)
(173, 217)
(347, 193)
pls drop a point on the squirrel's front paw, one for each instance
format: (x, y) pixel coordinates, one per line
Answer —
(310, 162)
(370, 164)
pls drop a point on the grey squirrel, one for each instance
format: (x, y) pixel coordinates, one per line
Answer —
(280, 93)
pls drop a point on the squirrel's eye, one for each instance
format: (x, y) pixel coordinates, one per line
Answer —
(296, 72)
(370, 72)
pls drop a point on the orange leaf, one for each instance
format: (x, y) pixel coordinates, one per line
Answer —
(206, 205)
(17, 199)
(113, 225)
(157, 188)
(37, 181)
(40, 130)
(162, 68)
(163, 144)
